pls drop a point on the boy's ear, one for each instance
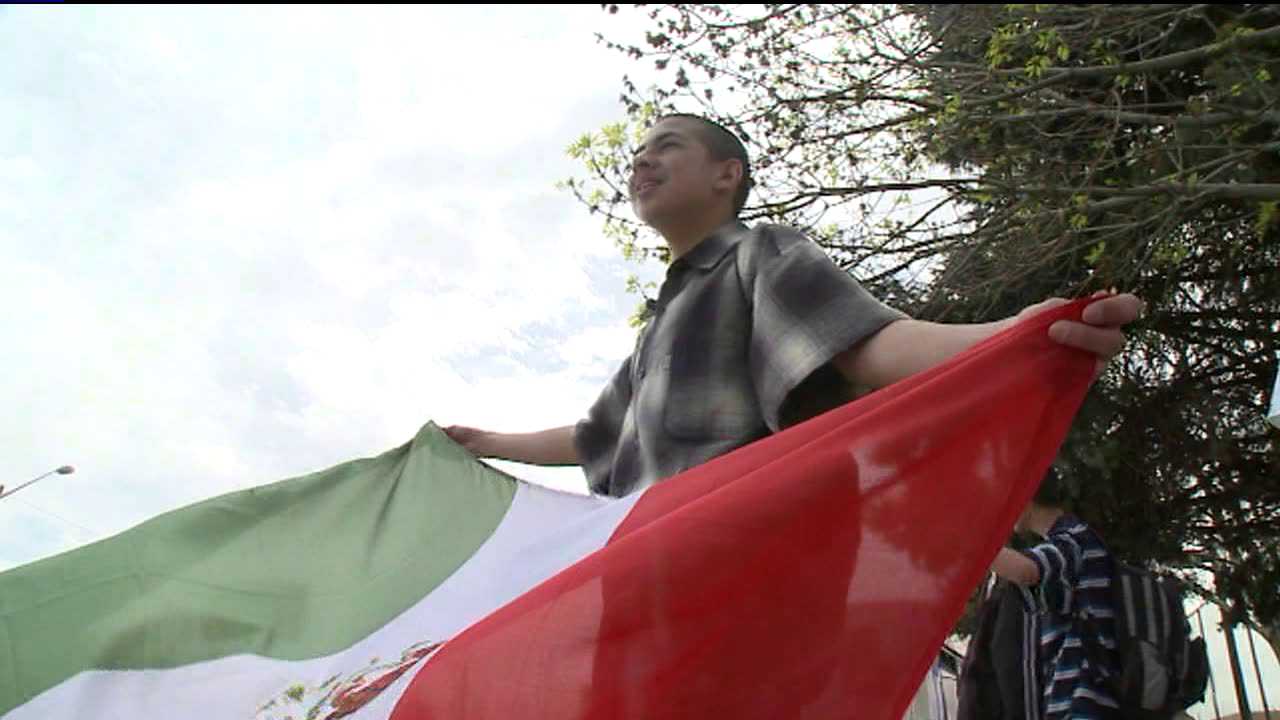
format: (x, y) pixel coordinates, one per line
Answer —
(730, 174)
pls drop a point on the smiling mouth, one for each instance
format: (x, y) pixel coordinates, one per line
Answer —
(647, 185)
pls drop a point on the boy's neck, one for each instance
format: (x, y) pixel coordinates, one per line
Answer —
(685, 237)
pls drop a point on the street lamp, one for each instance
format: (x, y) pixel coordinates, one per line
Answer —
(64, 470)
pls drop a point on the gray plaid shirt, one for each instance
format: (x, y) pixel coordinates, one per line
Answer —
(743, 319)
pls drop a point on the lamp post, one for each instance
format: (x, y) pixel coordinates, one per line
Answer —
(64, 470)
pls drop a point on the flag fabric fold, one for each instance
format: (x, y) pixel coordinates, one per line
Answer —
(813, 574)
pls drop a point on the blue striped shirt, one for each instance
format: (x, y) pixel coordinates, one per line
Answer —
(1075, 578)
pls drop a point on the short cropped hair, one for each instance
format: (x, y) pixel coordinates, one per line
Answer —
(1052, 491)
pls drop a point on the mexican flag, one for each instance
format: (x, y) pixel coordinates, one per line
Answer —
(813, 574)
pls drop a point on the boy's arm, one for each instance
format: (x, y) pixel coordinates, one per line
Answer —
(906, 347)
(548, 447)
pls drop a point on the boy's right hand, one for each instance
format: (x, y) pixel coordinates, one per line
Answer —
(477, 442)
(547, 447)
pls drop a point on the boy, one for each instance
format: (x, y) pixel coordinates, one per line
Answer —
(750, 324)
(1069, 574)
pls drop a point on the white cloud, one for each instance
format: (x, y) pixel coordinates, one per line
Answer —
(247, 243)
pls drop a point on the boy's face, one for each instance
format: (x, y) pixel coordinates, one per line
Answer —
(1021, 525)
(673, 177)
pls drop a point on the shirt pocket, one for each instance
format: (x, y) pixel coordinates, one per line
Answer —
(710, 395)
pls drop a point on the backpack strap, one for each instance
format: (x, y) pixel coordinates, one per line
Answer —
(1096, 653)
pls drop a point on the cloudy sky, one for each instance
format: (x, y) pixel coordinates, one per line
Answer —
(241, 244)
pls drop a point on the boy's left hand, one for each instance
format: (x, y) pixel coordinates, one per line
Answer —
(1102, 332)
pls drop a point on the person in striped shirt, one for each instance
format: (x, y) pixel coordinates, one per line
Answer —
(1069, 575)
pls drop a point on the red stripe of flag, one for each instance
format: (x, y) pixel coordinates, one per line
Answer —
(814, 574)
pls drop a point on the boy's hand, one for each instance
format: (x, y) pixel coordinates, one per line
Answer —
(477, 442)
(1102, 332)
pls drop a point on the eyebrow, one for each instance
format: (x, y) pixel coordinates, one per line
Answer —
(657, 141)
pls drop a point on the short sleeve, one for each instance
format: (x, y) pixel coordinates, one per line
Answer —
(596, 437)
(1058, 560)
(805, 311)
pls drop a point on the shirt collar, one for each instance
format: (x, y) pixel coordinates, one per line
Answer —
(707, 254)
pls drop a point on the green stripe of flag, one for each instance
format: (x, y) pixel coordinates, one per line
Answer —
(299, 569)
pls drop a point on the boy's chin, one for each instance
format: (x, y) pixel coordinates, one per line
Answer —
(651, 217)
